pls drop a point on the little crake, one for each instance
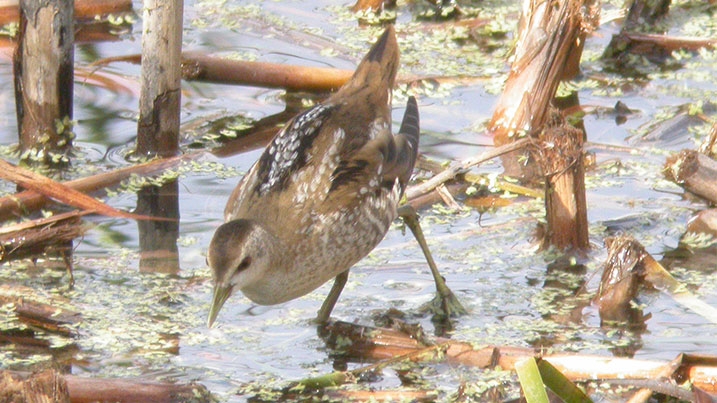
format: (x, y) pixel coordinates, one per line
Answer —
(321, 196)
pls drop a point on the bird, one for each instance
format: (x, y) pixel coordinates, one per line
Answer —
(322, 194)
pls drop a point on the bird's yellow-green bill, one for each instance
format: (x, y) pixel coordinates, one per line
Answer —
(221, 294)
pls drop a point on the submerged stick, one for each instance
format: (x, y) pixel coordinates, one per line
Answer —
(40, 315)
(640, 43)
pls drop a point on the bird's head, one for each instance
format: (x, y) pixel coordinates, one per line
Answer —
(238, 257)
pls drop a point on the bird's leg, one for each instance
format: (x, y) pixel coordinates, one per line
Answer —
(445, 304)
(330, 301)
(67, 259)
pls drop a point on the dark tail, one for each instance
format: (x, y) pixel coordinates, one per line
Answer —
(410, 127)
(407, 142)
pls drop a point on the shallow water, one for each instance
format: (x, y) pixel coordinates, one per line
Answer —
(153, 325)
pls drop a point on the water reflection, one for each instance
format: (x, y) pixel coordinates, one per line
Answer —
(158, 239)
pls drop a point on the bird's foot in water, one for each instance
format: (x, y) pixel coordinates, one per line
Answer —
(444, 307)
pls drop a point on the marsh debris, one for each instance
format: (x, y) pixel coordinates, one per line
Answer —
(695, 172)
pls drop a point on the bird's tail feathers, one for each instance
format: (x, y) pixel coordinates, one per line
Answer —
(410, 126)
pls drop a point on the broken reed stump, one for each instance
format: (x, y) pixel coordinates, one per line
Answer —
(705, 222)
(43, 65)
(158, 130)
(641, 15)
(627, 250)
(160, 98)
(549, 35)
(643, 12)
(623, 274)
(559, 150)
(695, 172)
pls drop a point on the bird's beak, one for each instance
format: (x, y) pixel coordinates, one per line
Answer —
(221, 294)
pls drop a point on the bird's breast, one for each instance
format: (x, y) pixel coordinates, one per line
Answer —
(325, 245)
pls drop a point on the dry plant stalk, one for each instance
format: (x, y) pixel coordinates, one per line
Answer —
(369, 343)
(559, 150)
(212, 69)
(38, 236)
(197, 67)
(83, 389)
(461, 167)
(58, 191)
(651, 44)
(45, 386)
(550, 33)
(85, 10)
(29, 200)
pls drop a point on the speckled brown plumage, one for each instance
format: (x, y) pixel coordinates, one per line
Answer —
(323, 193)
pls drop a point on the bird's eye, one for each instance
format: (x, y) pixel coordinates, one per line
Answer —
(244, 264)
